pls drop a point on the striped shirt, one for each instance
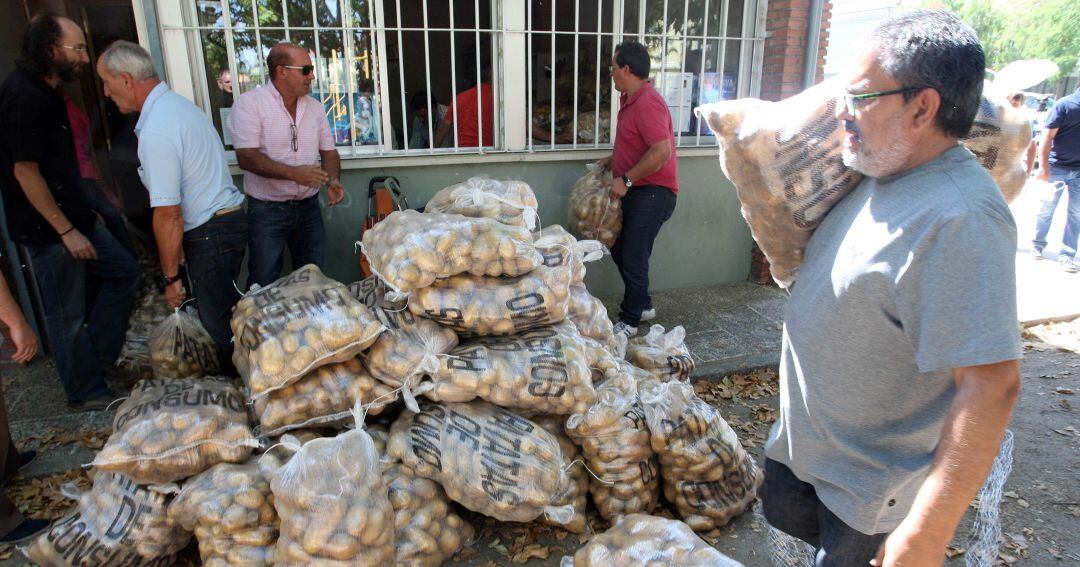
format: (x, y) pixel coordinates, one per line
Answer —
(260, 121)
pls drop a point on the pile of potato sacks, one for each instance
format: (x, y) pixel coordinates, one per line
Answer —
(475, 370)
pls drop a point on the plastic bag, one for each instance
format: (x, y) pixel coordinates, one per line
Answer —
(544, 370)
(410, 250)
(333, 504)
(615, 442)
(589, 315)
(181, 348)
(487, 458)
(324, 396)
(170, 429)
(587, 127)
(408, 350)
(664, 355)
(510, 202)
(640, 539)
(116, 522)
(706, 473)
(594, 214)
(785, 161)
(427, 531)
(575, 492)
(148, 314)
(231, 510)
(372, 293)
(296, 324)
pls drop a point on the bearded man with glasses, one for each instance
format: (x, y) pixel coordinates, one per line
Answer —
(284, 145)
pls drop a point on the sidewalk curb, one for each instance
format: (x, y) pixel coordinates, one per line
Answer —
(715, 370)
(1054, 319)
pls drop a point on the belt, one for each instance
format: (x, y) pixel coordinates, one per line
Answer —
(288, 201)
(227, 211)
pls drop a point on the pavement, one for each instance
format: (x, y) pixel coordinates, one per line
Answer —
(1045, 292)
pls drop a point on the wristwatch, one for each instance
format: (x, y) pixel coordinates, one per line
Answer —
(626, 181)
(167, 281)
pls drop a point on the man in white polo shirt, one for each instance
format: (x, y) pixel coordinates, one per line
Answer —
(199, 218)
(284, 145)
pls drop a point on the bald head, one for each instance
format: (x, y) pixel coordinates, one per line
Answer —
(284, 54)
(291, 70)
(53, 48)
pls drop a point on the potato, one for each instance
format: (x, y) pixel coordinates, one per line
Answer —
(124, 523)
(302, 321)
(170, 429)
(575, 493)
(706, 473)
(427, 531)
(509, 202)
(408, 350)
(181, 348)
(587, 127)
(150, 310)
(594, 214)
(640, 539)
(664, 355)
(589, 315)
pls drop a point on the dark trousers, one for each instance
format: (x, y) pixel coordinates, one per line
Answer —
(10, 517)
(277, 224)
(213, 254)
(645, 209)
(84, 339)
(115, 222)
(792, 506)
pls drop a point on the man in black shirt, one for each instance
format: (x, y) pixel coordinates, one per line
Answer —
(48, 213)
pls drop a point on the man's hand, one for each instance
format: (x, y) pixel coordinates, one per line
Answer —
(908, 547)
(335, 193)
(309, 175)
(175, 294)
(618, 188)
(79, 246)
(25, 343)
(604, 164)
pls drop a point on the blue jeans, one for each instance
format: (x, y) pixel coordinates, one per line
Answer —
(277, 224)
(645, 209)
(213, 253)
(1061, 178)
(792, 506)
(83, 340)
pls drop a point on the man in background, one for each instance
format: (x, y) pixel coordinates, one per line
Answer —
(1059, 163)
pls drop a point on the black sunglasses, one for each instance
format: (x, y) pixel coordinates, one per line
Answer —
(306, 69)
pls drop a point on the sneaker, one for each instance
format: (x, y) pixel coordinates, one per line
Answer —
(648, 314)
(624, 330)
(1069, 264)
(1038, 254)
(100, 403)
(29, 528)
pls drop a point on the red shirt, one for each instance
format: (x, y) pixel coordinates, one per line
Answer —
(644, 119)
(80, 132)
(467, 133)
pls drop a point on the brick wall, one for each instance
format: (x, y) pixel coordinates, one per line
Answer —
(782, 72)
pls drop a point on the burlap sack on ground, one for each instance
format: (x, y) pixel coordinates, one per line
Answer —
(408, 350)
(410, 250)
(181, 348)
(544, 370)
(171, 429)
(706, 473)
(148, 314)
(487, 458)
(784, 159)
(332, 502)
(427, 530)
(615, 442)
(231, 510)
(323, 397)
(296, 324)
(594, 214)
(640, 539)
(575, 493)
(116, 522)
(664, 355)
(510, 202)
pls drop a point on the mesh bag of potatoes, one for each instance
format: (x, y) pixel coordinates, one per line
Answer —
(171, 429)
(116, 522)
(664, 355)
(322, 397)
(410, 250)
(181, 348)
(575, 492)
(487, 458)
(408, 350)
(641, 539)
(148, 314)
(706, 473)
(372, 293)
(298, 323)
(426, 529)
(589, 315)
(510, 202)
(231, 510)
(544, 370)
(785, 160)
(332, 503)
(615, 442)
(594, 214)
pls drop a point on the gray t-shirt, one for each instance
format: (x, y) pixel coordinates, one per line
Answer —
(908, 277)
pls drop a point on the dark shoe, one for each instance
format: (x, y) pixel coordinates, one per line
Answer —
(26, 457)
(29, 528)
(118, 378)
(100, 403)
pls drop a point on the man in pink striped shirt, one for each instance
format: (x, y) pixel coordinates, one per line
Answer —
(284, 145)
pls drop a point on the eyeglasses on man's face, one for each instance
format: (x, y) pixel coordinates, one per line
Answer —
(853, 101)
(75, 48)
(304, 69)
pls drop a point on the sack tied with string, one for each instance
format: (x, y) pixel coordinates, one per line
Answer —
(410, 250)
(116, 522)
(372, 292)
(510, 202)
(180, 347)
(575, 492)
(171, 429)
(427, 530)
(594, 214)
(641, 539)
(487, 458)
(332, 502)
(706, 473)
(408, 351)
(662, 354)
(296, 324)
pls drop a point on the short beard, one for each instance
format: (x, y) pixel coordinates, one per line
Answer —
(67, 72)
(883, 161)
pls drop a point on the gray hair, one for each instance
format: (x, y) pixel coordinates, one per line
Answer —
(126, 57)
(933, 49)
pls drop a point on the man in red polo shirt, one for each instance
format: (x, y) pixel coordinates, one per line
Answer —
(644, 176)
